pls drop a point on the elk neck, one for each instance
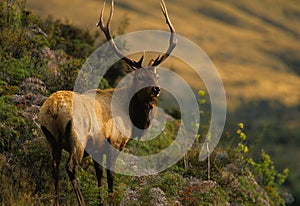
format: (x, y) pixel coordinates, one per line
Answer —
(139, 112)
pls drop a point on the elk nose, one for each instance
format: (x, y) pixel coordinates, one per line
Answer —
(156, 90)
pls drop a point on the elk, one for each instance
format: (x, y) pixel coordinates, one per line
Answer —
(89, 123)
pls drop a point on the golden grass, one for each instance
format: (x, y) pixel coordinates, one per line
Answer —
(245, 39)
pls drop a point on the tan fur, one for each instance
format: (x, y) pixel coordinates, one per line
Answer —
(91, 123)
(92, 120)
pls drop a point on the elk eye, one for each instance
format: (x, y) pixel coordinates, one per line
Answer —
(155, 90)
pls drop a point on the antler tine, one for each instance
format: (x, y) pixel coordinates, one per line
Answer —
(100, 22)
(106, 31)
(111, 13)
(165, 13)
(173, 40)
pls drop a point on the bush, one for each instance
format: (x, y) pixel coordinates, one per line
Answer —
(13, 127)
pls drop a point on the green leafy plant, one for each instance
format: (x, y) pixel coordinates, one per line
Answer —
(263, 170)
(13, 126)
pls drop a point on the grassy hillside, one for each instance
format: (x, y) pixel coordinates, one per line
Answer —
(254, 45)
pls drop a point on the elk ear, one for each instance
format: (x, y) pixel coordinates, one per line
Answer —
(153, 103)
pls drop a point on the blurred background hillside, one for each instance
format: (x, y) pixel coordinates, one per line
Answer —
(255, 46)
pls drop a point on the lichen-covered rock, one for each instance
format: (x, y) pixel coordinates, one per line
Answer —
(242, 187)
(130, 197)
(53, 58)
(157, 197)
(30, 97)
(33, 85)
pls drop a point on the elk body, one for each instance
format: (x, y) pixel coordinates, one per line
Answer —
(73, 121)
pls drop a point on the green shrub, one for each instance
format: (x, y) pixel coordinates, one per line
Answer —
(14, 71)
(13, 127)
(263, 170)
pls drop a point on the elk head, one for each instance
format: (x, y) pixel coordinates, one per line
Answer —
(144, 99)
(142, 79)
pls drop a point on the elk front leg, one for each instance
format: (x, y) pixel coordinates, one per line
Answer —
(111, 158)
(99, 174)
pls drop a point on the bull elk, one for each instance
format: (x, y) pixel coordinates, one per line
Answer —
(73, 128)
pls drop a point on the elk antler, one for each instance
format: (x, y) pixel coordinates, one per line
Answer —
(106, 31)
(173, 40)
(137, 64)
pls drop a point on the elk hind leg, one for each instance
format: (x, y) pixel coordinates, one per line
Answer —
(56, 153)
(56, 157)
(72, 170)
(76, 155)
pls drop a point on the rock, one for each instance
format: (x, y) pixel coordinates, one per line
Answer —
(33, 85)
(232, 175)
(157, 197)
(129, 197)
(30, 97)
(53, 58)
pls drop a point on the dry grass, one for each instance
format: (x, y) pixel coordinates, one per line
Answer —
(250, 42)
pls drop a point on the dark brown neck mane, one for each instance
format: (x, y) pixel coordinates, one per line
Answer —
(139, 114)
